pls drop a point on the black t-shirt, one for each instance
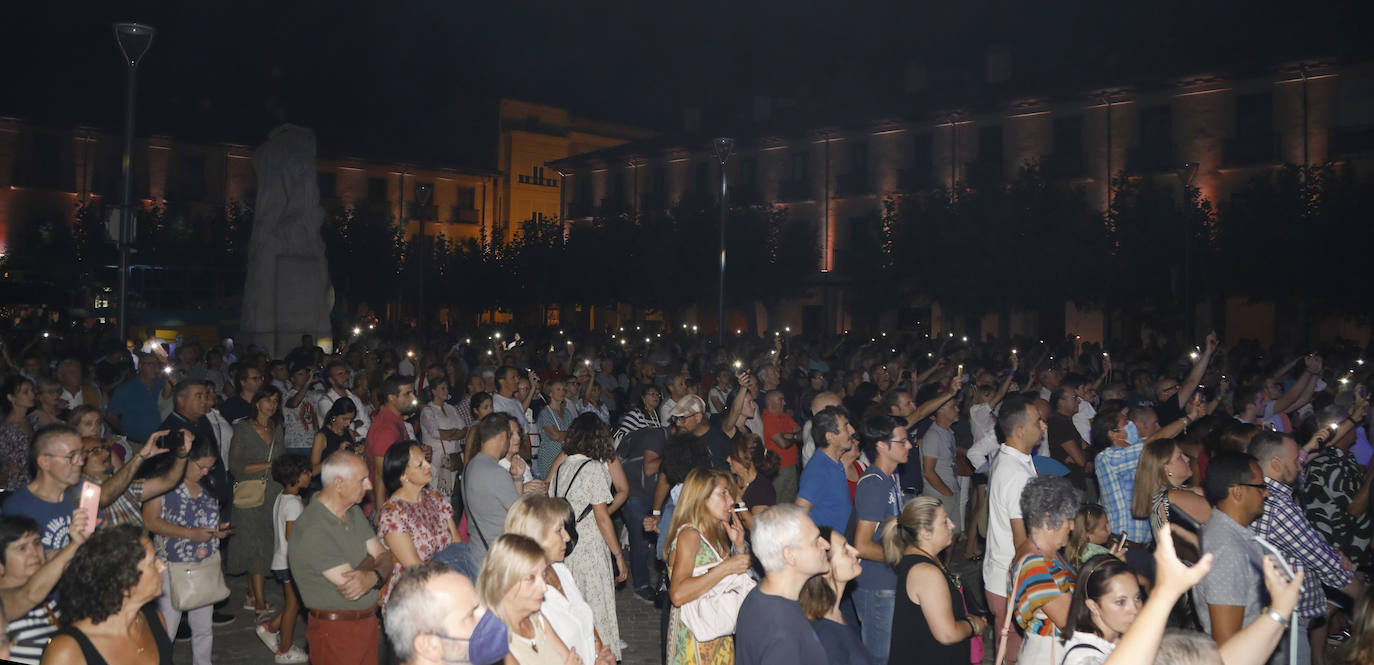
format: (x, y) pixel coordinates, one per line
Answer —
(1168, 410)
(772, 630)
(1060, 429)
(717, 446)
(842, 643)
(759, 493)
(631, 452)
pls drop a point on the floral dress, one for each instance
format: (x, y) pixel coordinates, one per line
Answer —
(425, 521)
(191, 512)
(683, 648)
(590, 561)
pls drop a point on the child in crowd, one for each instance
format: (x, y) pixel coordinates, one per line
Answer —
(278, 633)
(1091, 531)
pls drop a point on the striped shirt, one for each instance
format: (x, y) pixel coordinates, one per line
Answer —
(1037, 582)
(30, 634)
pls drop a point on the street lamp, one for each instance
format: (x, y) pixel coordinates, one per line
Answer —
(134, 40)
(1185, 175)
(423, 192)
(723, 147)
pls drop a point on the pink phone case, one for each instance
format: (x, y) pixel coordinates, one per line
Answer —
(90, 504)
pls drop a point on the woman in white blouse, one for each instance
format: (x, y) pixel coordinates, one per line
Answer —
(439, 431)
(542, 519)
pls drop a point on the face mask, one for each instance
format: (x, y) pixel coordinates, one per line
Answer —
(1132, 434)
(489, 642)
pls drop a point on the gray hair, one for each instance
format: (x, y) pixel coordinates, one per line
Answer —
(1047, 501)
(336, 467)
(776, 529)
(1187, 647)
(1332, 413)
(412, 608)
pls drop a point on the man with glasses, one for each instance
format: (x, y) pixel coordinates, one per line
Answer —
(1171, 396)
(465, 632)
(127, 508)
(247, 380)
(339, 378)
(877, 497)
(48, 499)
(1229, 597)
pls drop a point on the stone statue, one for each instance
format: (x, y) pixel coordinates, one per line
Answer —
(287, 292)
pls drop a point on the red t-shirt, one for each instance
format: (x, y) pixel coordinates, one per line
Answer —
(779, 424)
(387, 428)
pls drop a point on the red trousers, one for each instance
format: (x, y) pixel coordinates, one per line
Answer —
(352, 642)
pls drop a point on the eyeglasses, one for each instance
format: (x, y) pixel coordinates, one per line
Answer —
(71, 457)
(1258, 486)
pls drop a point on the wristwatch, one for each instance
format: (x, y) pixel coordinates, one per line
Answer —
(381, 581)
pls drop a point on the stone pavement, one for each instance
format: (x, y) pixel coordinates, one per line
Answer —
(237, 644)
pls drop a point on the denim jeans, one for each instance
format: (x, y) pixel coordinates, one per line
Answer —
(875, 620)
(636, 508)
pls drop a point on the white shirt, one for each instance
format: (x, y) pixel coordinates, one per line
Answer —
(666, 409)
(980, 420)
(1095, 653)
(224, 433)
(511, 407)
(1083, 421)
(1010, 471)
(361, 420)
(434, 418)
(982, 450)
(716, 394)
(808, 446)
(287, 508)
(570, 616)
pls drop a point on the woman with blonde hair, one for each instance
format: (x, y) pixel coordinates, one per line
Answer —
(929, 600)
(1162, 495)
(512, 585)
(544, 519)
(704, 532)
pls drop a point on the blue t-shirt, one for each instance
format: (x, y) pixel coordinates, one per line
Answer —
(54, 519)
(823, 483)
(772, 630)
(136, 406)
(842, 643)
(876, 498)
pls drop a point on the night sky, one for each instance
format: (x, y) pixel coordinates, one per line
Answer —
(399, 79)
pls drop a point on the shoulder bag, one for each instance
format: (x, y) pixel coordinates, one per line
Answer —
(1011, 609)
(570, 524)
(714, 614)
(251, 493)
(196, 584)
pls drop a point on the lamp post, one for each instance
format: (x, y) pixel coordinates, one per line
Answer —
(423, 192)
(134, 40)
(1185, 175)
(723, 147)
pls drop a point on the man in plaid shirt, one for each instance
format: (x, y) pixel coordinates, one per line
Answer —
(1285, 525)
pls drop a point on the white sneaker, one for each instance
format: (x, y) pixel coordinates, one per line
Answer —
(293, 655)
(269, 638)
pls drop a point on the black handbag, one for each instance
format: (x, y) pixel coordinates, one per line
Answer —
(570, 523)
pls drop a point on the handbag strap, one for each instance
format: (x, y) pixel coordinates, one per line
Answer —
(1006, 621)
(588, 508)
(472, 519)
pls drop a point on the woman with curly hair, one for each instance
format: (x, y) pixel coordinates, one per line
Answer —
(584, 480)
(104, 599)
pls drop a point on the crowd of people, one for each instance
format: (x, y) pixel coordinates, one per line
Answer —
(484, 496)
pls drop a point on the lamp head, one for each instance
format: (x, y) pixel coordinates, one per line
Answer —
(723, 147)
(134, 40)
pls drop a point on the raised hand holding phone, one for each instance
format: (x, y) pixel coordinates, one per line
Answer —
(89, 506)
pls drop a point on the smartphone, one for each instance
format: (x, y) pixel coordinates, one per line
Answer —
(90, 504)
(1121, 542)
(1283, 562)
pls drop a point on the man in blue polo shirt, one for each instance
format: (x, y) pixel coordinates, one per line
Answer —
(133, 404)
(824, 490)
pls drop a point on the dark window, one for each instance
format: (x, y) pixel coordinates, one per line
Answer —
(989, 166)
(1066, 161)
(660, 181)
(801, 165)
(376, 190)
(42, 166)
(329, 188)
(746, 172)
(859, 157)
(1255, 141)
(1155, 151)
(467, 198)
(619, 194)
(703, 180)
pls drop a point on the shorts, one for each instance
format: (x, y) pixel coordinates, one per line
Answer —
(282, 576)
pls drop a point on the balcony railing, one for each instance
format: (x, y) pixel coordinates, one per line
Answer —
(1150, 159)
(794, 190)
(1251, 150)
(854, 184)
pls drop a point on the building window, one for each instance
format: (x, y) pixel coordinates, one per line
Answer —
(42, 167)
(1155, 150)
(536, 177)
(801, 165)
(747, 169)
(329, 188)
(467, 198)
(1066, 158)
(189, 178)
(858, 153)
(703, 180)
(376, 190)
